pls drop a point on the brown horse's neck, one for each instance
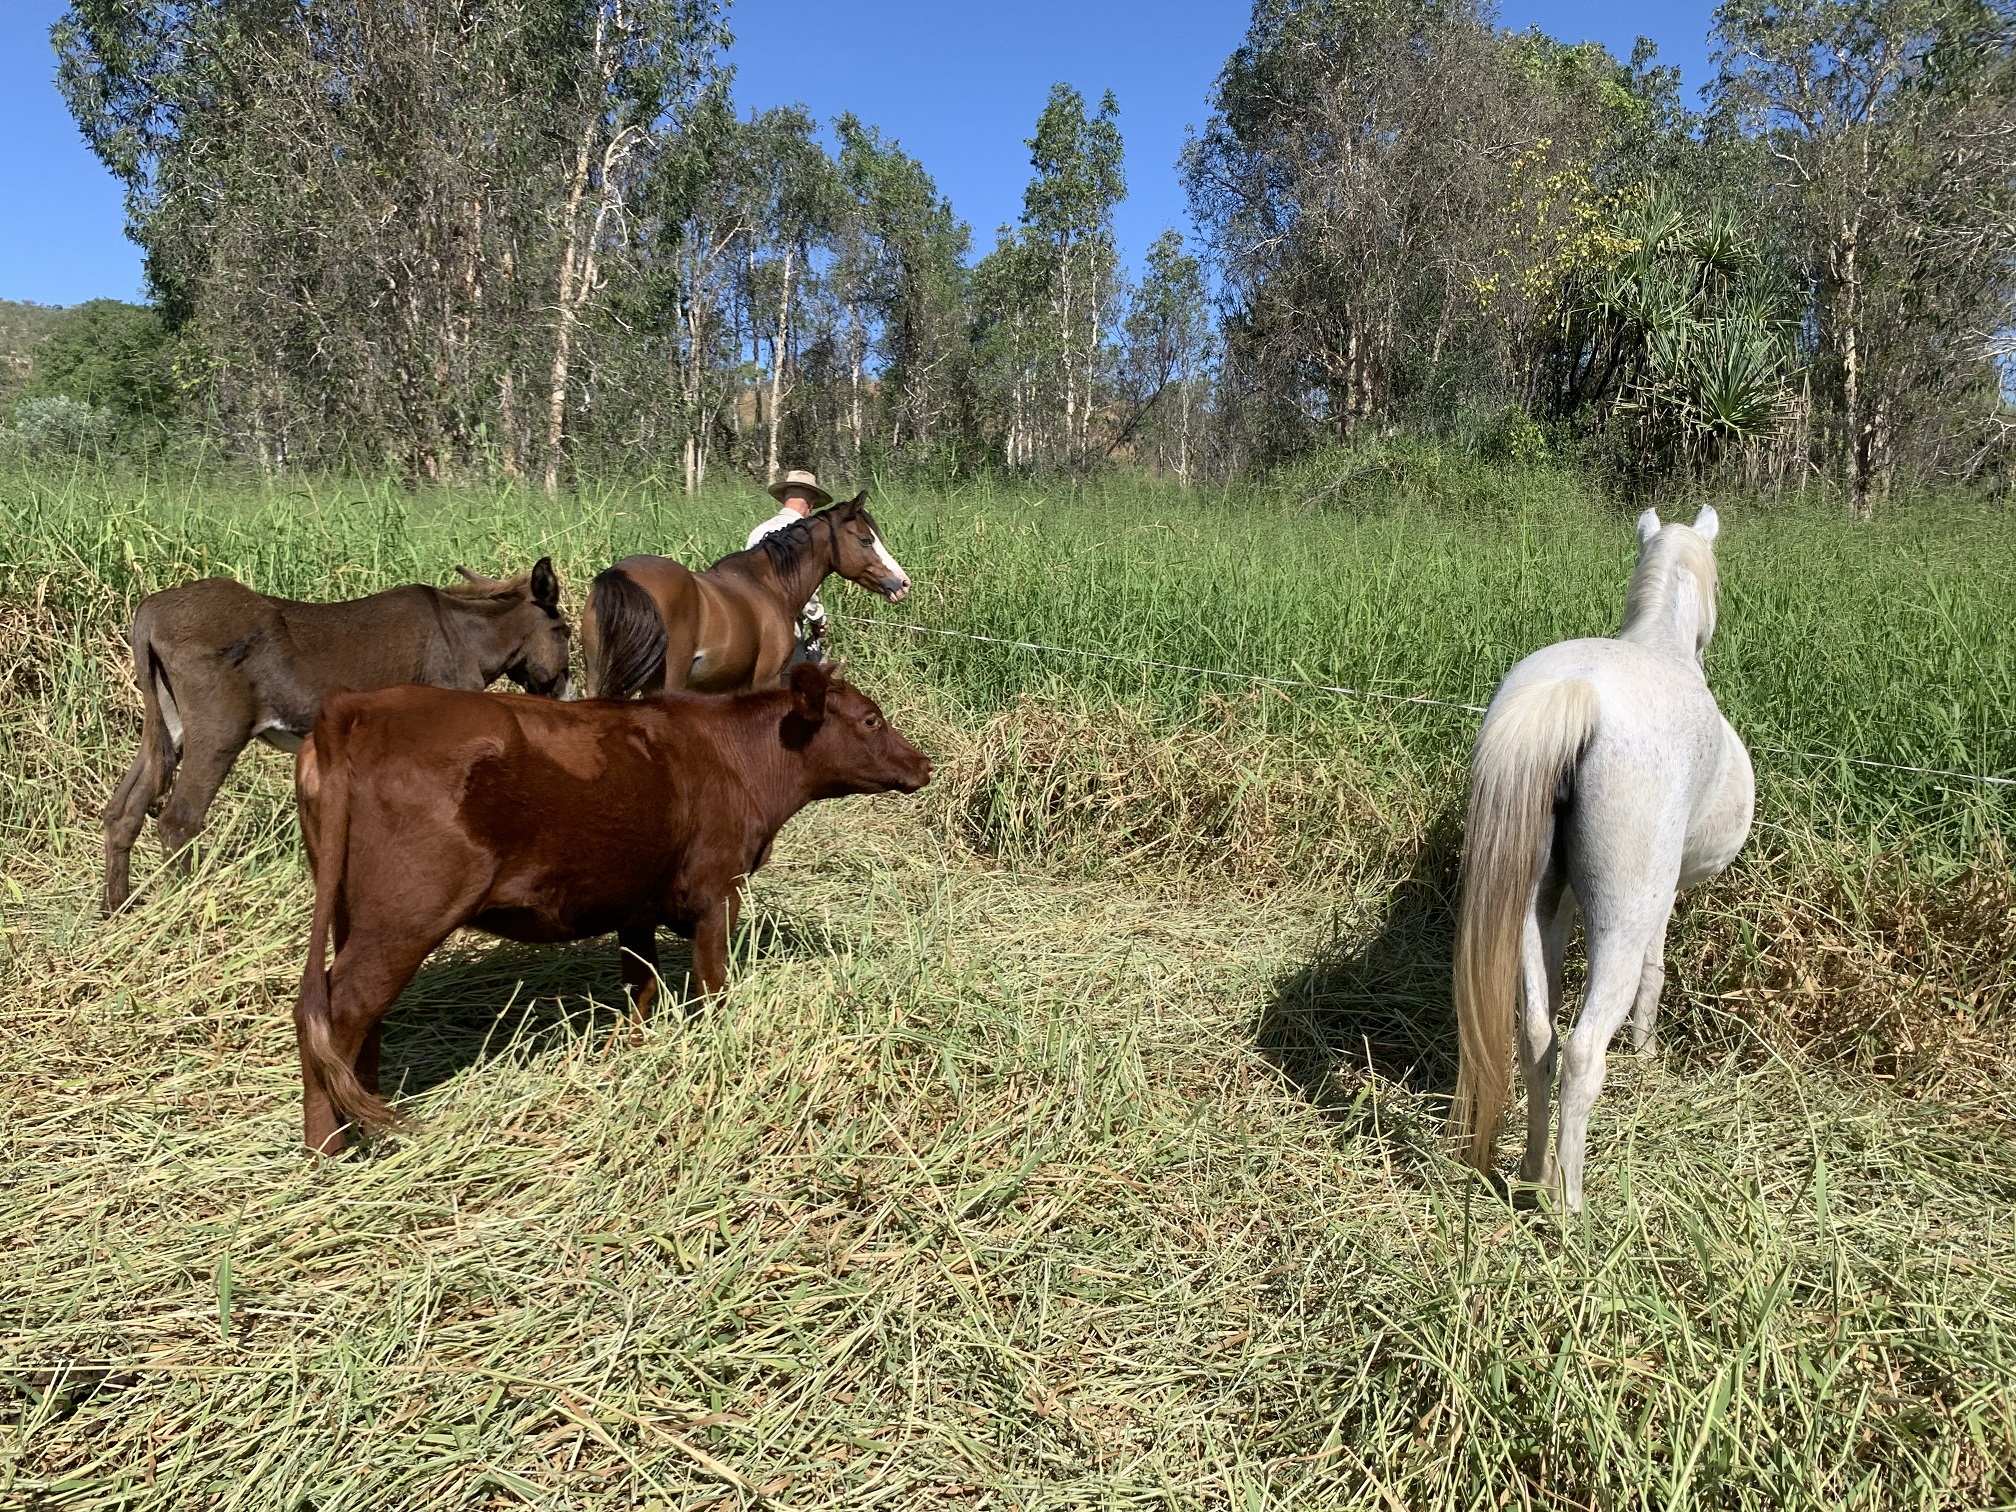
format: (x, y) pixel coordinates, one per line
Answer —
(797, 581)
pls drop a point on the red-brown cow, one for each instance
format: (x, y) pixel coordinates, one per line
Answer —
(426, 810)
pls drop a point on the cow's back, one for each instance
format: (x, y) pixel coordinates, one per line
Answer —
(562, 816)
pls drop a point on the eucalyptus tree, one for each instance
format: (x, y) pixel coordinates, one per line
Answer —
(641, 67)
(1009, 344)
(1389, 190)
(1888, 162)
(1067, 213)
(377, 226)
(792, 202)
(693, 224)
(906, 287)
(1167, 345)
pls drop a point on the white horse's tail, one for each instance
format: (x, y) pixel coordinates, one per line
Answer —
(1529, 744)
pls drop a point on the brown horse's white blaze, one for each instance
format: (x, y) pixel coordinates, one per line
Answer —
(894, 584)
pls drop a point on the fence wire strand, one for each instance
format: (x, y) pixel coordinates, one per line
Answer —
(1337, 689)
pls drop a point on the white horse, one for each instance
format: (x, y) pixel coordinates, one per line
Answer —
(1605, 777)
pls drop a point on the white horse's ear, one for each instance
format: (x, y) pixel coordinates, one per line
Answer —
(1707, 524)
(1648, 526)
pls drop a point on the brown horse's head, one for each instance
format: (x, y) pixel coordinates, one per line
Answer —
(528, 634)
(858, 553)
(845, 739)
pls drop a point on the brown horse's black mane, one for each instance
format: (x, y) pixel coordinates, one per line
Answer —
(791, 545)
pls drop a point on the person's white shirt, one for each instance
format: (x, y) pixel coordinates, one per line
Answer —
(812, 622)
(775, 523)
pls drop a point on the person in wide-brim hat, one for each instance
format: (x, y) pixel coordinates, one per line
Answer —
(799, 492)
(800, 480)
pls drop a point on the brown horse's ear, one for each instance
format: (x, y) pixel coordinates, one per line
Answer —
(545, 584)
(809, 683)
(477, 580)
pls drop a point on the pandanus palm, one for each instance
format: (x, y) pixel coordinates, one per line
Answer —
(1703, 345)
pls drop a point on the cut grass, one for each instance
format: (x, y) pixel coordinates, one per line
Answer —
(1070, 1133)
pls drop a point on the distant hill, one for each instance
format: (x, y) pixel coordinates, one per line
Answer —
(22, 327)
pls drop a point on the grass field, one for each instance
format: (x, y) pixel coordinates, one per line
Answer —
(1070, 1134)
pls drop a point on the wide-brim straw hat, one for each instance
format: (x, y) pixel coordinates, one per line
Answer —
(798, 477)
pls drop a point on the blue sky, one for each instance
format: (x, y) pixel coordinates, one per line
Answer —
(958, 84)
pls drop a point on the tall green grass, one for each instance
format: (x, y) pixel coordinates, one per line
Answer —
(1890, 642)
(1070, 1134)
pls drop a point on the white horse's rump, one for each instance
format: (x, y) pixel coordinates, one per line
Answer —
(1605, 779)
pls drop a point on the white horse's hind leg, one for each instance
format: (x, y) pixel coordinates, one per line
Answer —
(1545, 943)
(1645, 1011)
(1616, 969)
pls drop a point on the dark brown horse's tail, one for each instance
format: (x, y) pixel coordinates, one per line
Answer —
(160, 746)
(625, 636)
(312, 1012)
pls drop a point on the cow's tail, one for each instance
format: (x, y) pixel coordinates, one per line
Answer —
(624, 635)
(1527, 750)
(312, 1011)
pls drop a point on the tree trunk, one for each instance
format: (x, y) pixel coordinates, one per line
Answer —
(857, 341)
(778, 344)
(1860, 430)
(507, 422)
(563, 333)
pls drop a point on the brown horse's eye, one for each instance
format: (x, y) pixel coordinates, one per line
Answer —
(874, 721)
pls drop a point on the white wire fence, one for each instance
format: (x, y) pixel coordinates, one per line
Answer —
(1150, 663)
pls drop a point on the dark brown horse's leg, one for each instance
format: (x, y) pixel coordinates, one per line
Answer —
(639, 945)
(126, 815)
(206, 761)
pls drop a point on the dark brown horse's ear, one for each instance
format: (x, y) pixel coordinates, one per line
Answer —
(545, 584)
(809, 683)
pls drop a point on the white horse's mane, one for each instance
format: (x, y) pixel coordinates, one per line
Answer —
(1653, 600)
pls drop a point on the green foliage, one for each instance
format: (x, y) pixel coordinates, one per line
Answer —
(111, 355)
(1044, 296)
(1889, 174)
(23, 327)
(60, 426)
(1682, 334)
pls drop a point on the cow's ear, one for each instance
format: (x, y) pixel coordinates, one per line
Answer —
(545, 584)
(808, 692)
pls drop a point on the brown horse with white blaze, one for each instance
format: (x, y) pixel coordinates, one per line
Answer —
(652, 625)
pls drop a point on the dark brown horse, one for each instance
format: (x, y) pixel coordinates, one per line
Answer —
(220, 665)
(651, 625)
(425, 811)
